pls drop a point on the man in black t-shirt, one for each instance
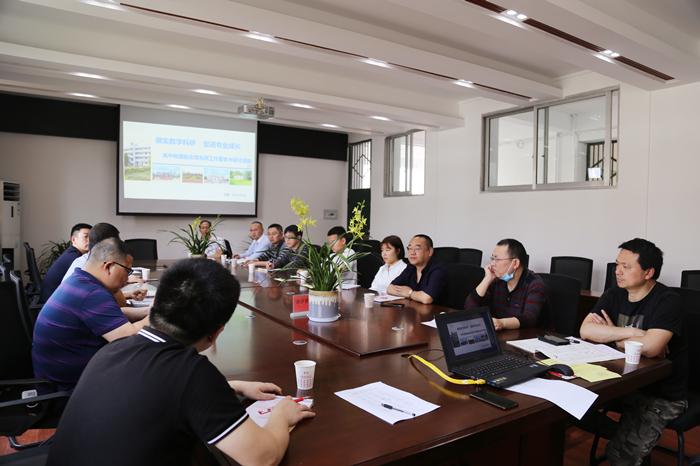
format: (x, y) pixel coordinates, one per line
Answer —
(644, 310)
(148, 399)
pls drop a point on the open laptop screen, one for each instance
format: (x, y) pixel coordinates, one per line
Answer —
(467, 335)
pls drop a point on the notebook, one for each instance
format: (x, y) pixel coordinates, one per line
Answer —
(471, 349)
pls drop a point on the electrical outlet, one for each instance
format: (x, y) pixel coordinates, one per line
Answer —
(330, 214)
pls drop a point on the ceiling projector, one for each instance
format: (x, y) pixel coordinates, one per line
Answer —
(259, 111)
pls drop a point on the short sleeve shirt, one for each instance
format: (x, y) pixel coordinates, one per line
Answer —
(69, 328)
(434, 281)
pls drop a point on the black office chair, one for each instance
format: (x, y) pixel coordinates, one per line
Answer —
(470, 256)
(33, 457)
(690, 279)
(464, 278)
(369, 245)
(577, 267)
(33, 288)
(526, 262)
(367, 268)
(8, 262)
(563, 294)
(144, 249)
(18, 415)
(610, 279)
(27, 314)
(4, 272)
(228, 251)
(446, 255)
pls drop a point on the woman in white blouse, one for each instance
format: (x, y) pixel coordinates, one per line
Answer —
(392, 253)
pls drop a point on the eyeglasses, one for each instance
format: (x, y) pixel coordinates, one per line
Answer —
(493, 259)
(409, 249)
(254, 229)
(128, 270)
(290, 237)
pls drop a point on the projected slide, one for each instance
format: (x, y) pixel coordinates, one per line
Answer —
(167, 162)
(469, 336)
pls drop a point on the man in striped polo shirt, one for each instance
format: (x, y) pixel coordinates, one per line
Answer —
(517, 296)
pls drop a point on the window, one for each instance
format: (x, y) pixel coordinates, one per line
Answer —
(404, 164)
(571, 143)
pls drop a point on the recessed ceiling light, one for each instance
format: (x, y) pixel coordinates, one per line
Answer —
(78, 94)
(88, 75)
(178, 106)
(514, 15)
(260, 36)
(329, 126)
(511, 12)
(614, 55)
(607, 52)
(464, 83)
(301, 105)
(375, 62)
(205, 91)
(521, 17)
(380, 118)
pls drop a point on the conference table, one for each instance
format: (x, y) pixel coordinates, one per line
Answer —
(261, 343)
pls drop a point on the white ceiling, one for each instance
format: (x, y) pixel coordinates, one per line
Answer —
(156, 52)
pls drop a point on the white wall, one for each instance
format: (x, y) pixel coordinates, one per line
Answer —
(657, 196)
(65, 181)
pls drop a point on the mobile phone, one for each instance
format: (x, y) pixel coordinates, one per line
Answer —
(391, 305)
(493, 399)
(552, 340)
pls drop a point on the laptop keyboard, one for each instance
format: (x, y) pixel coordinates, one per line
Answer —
(487, 370)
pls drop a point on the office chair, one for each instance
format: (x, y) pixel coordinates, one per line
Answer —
(4, 273)
(144, 249)
(446, 255)
(464, 278)
(37, 456)
(470, 256)
(690, 279)
(229, 251)
(610, 279)
(563, 294)
(27, 315)
(33, 288)
(18, 415)
(577, 267)
(367, 268)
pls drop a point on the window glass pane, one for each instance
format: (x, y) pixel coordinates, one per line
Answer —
(542, 146)
(399, 157)
(510, 149)
(614, 125)
(418, 172)
(572, 129)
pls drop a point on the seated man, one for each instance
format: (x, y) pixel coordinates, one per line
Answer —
(517, 296)
(275, 235)
(79, 246)
(213, 251)
(293, 255)
(259, 245)
(155, 389)
(425, 279)
(640, 309)
(338, 239)
(82, 315)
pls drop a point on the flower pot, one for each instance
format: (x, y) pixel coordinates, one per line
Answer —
(323, 306)
(197, 256)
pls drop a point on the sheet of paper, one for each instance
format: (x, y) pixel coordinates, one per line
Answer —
(260, 411)
(593, 373)
(386, 298)
(571, 398)
(575, 353)
(350, 286)
(371, 397)
(430, 323)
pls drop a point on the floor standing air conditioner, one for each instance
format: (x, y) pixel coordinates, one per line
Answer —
(9, 222)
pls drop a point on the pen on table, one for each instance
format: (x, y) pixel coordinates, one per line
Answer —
(397, 409)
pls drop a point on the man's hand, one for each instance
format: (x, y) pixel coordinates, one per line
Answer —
(402, 290)
(604, 320)
(235, 256)
(256, 390)
(293, 412)
(135, 279)
(138, 294)
(498, 324)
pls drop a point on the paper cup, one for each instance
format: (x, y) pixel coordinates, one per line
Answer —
(369, 299)
(633, 351)
(304, 274)
(251, 268)
(305, 370)
(145, 274)
(224, 259)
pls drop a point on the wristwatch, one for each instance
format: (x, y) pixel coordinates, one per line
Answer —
(410, 293)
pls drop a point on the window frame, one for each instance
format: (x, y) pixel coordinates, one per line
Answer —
(389, 190)
(605, 183)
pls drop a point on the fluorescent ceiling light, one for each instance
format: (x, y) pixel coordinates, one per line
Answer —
(380, 118)
(178, 106)
(78, 94)
(375, 62)
(329, 126)
(260, 36)
(88, 75)
(205, 91)
(301, 105)
(464, 83)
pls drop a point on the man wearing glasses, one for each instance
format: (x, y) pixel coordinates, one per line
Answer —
(517, 295)
(276, 238)
(259, 245)
(425, 279)
(83, 315)
(293, 254)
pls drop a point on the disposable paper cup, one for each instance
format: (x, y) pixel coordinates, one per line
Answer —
(633, 351)
(305, 370)
(251, 268)
(224, 259)
(369, 299)
(145, 274)
(304, 274)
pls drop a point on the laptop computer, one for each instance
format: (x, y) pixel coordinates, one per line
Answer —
(471, 349)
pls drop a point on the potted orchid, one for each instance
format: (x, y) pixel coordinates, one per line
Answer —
(191, 237)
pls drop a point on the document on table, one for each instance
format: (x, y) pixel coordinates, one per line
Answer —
(571, 398)
(431, 323)
(260, 411)
(575, 353)
(386, 298)
(372, 397)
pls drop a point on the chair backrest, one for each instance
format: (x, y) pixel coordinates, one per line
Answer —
(367, 268)
(690, 279)
(144, 249)
(577, 267)
(690, 300)
(7, 261)
(470, 256)
(563, 293)
(370, 245)
(15, 345)
(464, 278)
(446, 255)
(34, 275)
(21, 298)
(526, 262)
(229, 251)
(4, 273)
(610, 279)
